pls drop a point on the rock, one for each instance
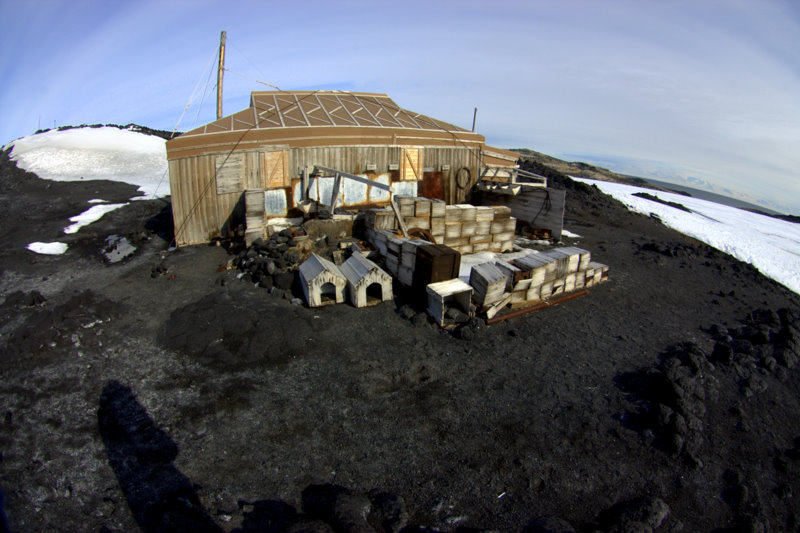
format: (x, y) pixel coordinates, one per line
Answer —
(456, 315)
(283, 280)
(25, 299)
(675, 444)
(309, 526)
(737, 496)
(388, 510)
(406, 311)
(642, 514)
(419, 320)
(338, 506)
(269, 267)
(548, 524)
(742, 346)
(465, 333)
(785, 356)
(296, 301)
(665, 415)
(723, 353)
(292, 256)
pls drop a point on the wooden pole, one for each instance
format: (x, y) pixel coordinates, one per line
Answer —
(220, 71)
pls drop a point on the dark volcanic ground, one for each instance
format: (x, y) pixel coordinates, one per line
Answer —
(665, 399)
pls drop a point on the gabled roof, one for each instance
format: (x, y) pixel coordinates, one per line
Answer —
(287, 109)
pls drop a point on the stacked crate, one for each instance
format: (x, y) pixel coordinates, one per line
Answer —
(399, 254)
(539, 276)
(463, 227)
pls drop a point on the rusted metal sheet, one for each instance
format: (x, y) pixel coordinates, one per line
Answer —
(432, 185)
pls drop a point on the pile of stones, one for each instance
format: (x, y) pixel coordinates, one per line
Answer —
(271, 263)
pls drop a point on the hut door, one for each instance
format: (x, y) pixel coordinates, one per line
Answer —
(275, 166)
(411, 164)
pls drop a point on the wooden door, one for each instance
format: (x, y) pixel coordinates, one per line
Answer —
(275, 166)
(411, 164)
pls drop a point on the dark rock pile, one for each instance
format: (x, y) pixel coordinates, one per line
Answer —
(272, 263)
(671, 396)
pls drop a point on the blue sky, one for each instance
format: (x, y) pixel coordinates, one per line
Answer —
(681, 90)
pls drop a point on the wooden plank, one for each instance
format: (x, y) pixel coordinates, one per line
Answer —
(542, 305)
(230, 173)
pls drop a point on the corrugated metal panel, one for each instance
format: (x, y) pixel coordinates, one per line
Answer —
(275, 203)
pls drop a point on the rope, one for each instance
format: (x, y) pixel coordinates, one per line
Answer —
(191, 97)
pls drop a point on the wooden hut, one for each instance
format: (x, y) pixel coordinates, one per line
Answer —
(367, 284)
(273, 147)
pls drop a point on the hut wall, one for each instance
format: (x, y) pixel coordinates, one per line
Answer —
(207, 188)
(453, 160)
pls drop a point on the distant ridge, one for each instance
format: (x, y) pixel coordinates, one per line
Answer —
(543, 163)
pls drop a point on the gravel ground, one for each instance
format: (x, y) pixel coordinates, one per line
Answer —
(159, 392)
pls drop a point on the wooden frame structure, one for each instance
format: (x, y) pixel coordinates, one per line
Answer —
(273, 144)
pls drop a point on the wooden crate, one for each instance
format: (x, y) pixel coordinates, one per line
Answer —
(443, 295)
(438, 208)
(422, 207)
(434, 263)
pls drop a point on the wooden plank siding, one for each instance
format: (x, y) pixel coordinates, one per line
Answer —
(205, 193)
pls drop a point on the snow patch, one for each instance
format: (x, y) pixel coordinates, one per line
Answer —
(48, 248)
(92, 214)
(97, 154)
(566, 233)
(769, 244)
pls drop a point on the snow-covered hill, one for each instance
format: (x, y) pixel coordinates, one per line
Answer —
(105, 153)
(769, 244)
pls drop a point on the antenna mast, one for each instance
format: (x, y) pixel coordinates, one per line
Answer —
(220, 71)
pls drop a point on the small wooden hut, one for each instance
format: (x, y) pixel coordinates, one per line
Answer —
(367, 284)
(322, 282)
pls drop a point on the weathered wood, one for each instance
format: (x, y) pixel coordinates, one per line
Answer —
(443, 295)
(322, 282)
(489, 283)
(230, 173)
(498, 306)
(537, 207)
(530, 309)
(434, 263)
(361, 274)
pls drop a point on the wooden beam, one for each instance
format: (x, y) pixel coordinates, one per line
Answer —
(220, 71)
(525, 310)
(353, 177)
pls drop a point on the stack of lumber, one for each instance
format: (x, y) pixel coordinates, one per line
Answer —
(463, 227)
(537, 277)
